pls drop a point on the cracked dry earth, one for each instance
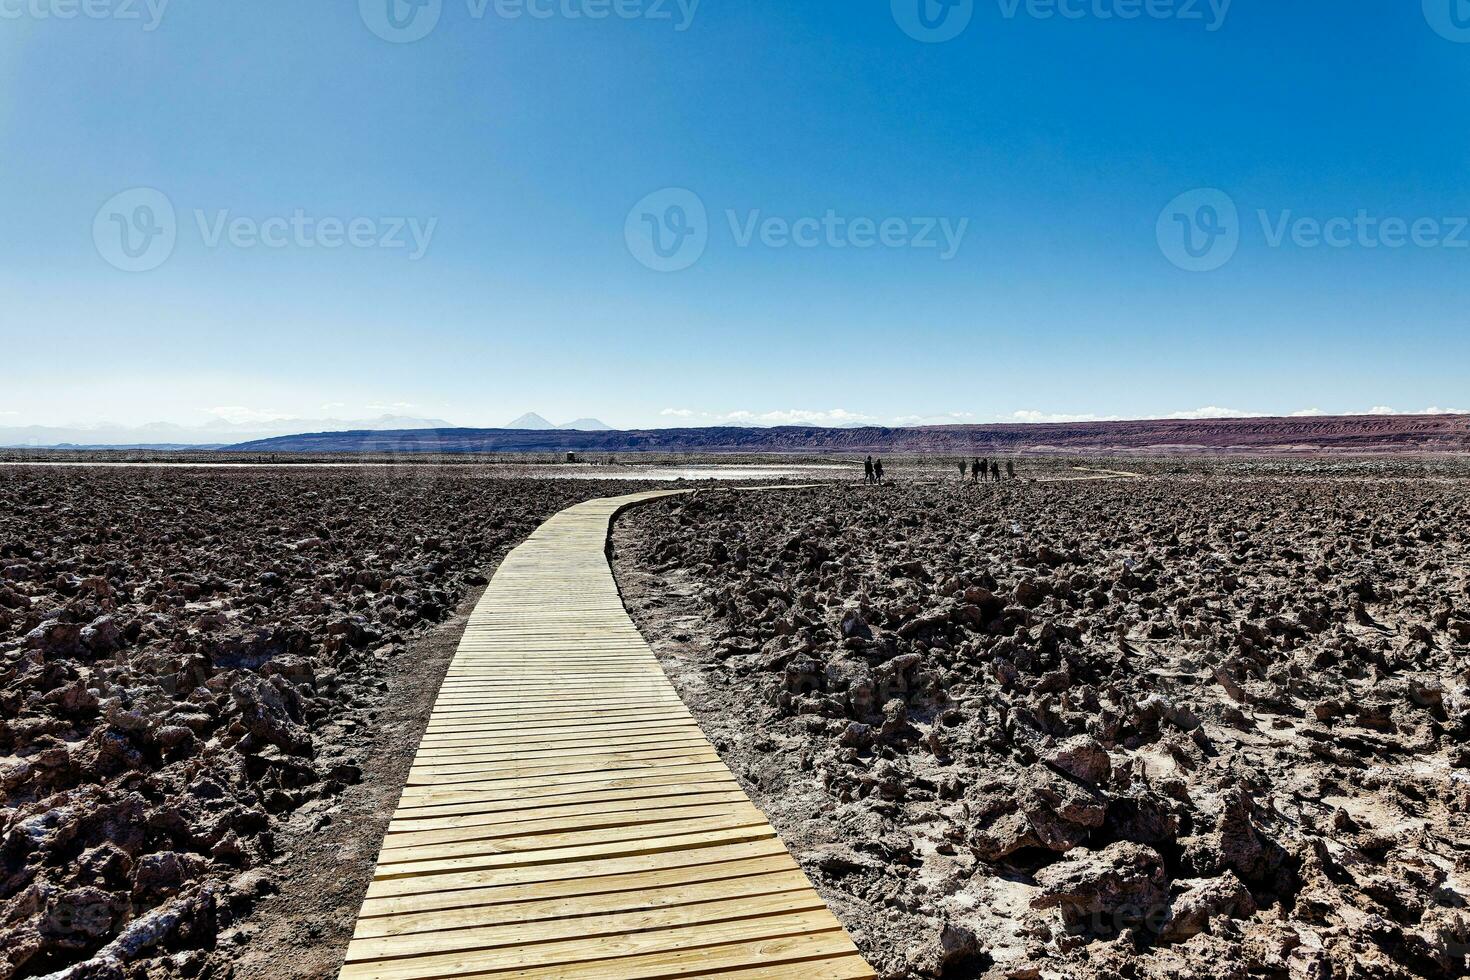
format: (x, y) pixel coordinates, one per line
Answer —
(1204, 726)
(211, 686)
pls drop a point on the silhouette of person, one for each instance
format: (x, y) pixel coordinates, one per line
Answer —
(878, 469)
(962, 471)
(868, 470)
(995, 472)
(975, 470)
(1010, 469)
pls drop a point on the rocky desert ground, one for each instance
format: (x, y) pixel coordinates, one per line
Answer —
(211, 683)
(1210, 723)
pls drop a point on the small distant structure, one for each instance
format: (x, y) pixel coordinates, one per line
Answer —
(572, 458)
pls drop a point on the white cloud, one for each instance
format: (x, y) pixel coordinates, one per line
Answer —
(9, 413)
(392, 407)
(1432, 410)
(333, 406)
(944, 418)
(1214, 412)
(787, 416)
(239, 414)
(839, 417)
(802, 416)
(1030, 416)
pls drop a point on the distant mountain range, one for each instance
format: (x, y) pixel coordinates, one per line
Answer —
(213, 435)
(1364, 433)
(168, 435)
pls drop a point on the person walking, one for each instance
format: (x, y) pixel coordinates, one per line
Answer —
(868, 470)
(975, 470)
(1010, 469)
(995, 472)
(878, 469)
(962, 471)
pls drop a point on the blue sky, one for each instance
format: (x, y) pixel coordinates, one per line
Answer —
(491, 175)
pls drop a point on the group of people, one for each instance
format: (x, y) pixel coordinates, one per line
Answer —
(982, 470)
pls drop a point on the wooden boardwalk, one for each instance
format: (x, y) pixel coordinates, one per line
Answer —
(565, 817)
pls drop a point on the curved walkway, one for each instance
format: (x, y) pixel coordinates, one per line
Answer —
(565, 817)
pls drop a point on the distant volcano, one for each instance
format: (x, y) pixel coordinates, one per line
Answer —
(531, 422)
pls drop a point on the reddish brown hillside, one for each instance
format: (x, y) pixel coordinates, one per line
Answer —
(1357, 433)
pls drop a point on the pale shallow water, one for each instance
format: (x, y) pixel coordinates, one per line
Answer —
(569, 471)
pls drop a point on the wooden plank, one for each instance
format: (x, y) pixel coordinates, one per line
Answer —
(574, 819)
(477, 846)
(434, 799)
(468, 861)
(591, 801)
(538, 784)
(679, 886)
(584, 878)
(609, 719)
(564, 764)
(508, 942)
(746, 934)
(564, 815)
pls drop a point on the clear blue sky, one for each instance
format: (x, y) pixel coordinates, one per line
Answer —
(528, 140)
